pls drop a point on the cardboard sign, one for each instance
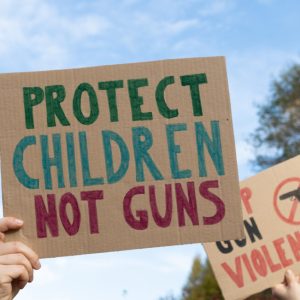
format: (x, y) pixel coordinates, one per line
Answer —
(120, 157)
(271, 209)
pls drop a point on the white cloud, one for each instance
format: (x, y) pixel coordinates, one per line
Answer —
(45, 35)
(181, 25)
(244, 152)
(216, 7)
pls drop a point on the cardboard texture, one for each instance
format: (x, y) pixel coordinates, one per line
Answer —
(271, 212)
(120, 157)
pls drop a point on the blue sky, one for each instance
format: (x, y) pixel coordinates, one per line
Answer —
(259, 39)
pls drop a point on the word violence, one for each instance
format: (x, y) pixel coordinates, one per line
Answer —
(262, 260)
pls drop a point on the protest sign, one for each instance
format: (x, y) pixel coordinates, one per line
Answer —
(120, 157)
(271, 212)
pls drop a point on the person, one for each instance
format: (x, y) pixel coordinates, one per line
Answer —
(17, 261)
(289, 289)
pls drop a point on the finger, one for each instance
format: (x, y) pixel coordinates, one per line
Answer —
(279, 290)
(8, 223)
(13, 272)
(21, 284)
(18, 247)
(290, 277)
(17, 259)
(15, 289)
(2, 237)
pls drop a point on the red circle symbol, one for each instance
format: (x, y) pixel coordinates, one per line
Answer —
(286, 203)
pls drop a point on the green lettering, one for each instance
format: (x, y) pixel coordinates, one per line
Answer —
(94, 108)
(164, 110)
(110, 87)
(55, 94)
(30, 101)
(136, 100)
(194, 81)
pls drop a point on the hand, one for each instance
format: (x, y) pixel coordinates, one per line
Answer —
(289, 289)
(17, 261)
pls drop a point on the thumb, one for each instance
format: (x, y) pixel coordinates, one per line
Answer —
(290, 277)
(279, 290)
(8, 223)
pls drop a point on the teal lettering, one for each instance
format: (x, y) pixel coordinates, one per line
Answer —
(142, 142)
(86, 174)
(55, 161)
(112, 175)
(213, 145)
(71, 159)
(174, 149)
(18, 164)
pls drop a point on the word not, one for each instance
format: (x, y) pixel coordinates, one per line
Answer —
(46, 215)
(54, 95)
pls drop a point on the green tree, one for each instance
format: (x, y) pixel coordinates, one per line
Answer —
(277, 137)
(191, 289)
(201, 283)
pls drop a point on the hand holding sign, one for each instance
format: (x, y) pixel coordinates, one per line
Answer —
(17, 262)
(289, 289)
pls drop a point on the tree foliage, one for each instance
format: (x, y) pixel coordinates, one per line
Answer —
(277, 137)
(201, 283)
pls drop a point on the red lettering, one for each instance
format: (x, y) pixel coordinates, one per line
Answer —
(45, 217)
(295, 244)
(246, 194)
(142, 222)
(91, 197)
(281, 253)
(273, 267)
(71, 228)
(249, 268)
(237, 275)
(159, 220)
(220, 207)
(259, 263)
(189, 205)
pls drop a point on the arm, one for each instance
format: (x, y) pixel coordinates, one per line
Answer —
(17, 261)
